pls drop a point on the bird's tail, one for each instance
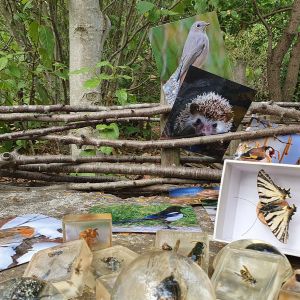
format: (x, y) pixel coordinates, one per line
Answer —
(171, 87)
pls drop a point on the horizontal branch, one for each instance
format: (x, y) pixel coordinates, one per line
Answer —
(263, 107)
(284, 104)
(275, 110)
(12, 159)
(115, 114)
(69, 108)
(280, 10)
(32, 133)
(106, 168)
(55, 177)
(175, 143)
(129, 184)
(94, 108)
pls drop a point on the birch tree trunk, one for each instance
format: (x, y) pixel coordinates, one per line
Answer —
(88, 28)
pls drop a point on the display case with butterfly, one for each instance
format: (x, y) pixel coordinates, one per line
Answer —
(259, 201)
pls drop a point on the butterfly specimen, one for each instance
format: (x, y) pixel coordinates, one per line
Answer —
(274, 208)
(246, 276)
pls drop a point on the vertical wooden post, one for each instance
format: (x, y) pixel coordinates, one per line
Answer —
(239, 77)
(169, 156)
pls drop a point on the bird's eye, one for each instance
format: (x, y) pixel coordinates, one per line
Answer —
(214, 125)
(198, 25)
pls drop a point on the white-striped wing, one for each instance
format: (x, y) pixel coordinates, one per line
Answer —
(278, 219)
(268, 191)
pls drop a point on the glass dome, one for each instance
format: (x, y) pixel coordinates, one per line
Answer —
(162, 275)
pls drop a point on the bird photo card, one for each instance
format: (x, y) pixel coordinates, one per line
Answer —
(207, 104)
(196, 41)
(23, 236)
(278, 149)
(149, 218)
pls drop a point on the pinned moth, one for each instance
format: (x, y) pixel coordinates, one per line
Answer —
(246, 276)
(273, 209)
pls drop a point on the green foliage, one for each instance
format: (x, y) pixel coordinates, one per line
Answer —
(144, 6)
(110, 132)
(88, 152)
(122, 96)
(104, 71)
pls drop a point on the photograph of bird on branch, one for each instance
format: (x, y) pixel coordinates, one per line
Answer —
(196, 41)
(277, 149)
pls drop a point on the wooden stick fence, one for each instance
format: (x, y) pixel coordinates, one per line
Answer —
(55, 168)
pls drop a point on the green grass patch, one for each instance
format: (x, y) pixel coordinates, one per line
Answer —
(131, 211)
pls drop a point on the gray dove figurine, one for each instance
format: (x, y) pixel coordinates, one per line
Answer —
(195, 52)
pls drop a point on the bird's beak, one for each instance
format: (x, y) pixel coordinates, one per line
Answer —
(206, 24)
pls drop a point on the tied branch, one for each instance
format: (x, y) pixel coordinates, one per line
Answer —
(130, 183)
(69, 108)
(132, 169)
(13, 159)
(115, 114)
(56, 177)
(15, 113)
(174, 143)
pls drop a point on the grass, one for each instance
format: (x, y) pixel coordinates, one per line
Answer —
(131, 211)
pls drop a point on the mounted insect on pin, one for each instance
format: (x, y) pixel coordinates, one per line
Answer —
(272, 208)
(246, 276)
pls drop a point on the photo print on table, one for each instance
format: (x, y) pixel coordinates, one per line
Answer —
(207, 104)
(196, 41)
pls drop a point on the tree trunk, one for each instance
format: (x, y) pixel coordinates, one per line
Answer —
(292, 72)
(87, 32)
(276, 56)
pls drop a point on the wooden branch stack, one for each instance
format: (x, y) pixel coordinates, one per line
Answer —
(56, 168)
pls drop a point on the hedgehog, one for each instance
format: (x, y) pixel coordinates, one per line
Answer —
(207, 114)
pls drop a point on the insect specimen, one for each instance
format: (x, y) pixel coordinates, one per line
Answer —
(246, 276)
(112, 263)
(55, 253)
(27, 288)
(197, 252)
(168, 289)
(273, 206)
(89, 235)
(78, 269)
(166, 247)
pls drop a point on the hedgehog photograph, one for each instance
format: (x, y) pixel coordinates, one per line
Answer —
(207, 104)
(206, 114)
